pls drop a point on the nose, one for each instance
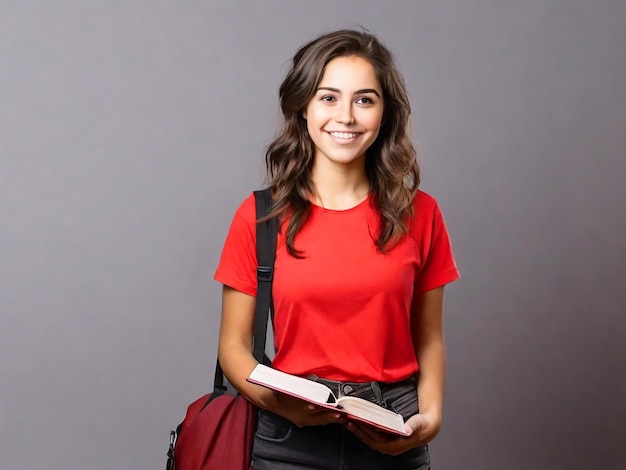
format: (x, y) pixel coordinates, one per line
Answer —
(344, 113)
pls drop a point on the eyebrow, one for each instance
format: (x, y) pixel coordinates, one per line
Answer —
(357, 92)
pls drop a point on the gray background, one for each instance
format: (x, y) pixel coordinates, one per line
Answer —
(130, 131)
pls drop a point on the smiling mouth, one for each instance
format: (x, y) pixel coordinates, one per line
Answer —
(344, 135)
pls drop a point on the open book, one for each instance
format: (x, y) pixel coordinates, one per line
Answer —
(319, 394)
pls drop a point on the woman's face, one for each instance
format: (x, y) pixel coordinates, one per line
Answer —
(344, 116)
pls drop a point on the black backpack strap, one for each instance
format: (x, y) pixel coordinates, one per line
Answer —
(266, 233)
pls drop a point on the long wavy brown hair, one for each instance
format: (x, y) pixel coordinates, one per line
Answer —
(390, 162)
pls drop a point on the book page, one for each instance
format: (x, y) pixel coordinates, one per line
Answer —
(373, 414)
(299, 387)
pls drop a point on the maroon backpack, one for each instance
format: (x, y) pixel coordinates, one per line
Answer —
(218, 429)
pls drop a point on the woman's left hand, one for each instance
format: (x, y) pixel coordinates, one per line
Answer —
(422, 428)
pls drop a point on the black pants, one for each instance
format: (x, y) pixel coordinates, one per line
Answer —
(281, 445)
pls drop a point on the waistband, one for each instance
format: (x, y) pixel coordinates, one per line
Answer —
(372, 391)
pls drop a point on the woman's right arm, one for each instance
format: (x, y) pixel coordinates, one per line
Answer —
(237, 361)
(235, 345)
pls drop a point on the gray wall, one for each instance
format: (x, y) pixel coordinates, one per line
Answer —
(130, 131)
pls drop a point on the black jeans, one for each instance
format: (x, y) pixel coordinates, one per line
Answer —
(281, 445)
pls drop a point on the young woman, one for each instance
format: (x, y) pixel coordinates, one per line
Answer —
(362, 260)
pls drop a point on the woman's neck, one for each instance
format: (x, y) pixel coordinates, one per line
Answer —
(339, 187)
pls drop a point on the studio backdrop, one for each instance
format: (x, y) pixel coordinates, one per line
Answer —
(131, 131)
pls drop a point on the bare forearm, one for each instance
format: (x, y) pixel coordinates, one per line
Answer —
(431, 384)
(430, 351)
(235, 345)
(237, 362)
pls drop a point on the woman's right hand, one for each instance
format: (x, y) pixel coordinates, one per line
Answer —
(302, 413)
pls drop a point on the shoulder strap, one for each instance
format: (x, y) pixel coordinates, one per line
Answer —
(266, 233)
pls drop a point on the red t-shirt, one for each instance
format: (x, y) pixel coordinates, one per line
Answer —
(343, 312)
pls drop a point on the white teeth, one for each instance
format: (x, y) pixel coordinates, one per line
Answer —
(344, 135)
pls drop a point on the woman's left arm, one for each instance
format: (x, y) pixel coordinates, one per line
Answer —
(427, 331)
(430, 350)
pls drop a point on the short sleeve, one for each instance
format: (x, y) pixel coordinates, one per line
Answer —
(238, 264)
(438, 264)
